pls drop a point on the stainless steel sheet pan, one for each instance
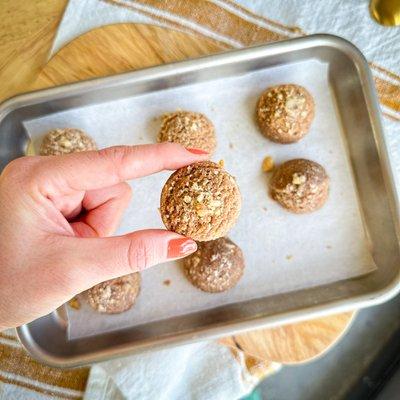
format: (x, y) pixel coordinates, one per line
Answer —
(358, 113)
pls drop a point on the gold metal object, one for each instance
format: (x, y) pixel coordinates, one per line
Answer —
(385, 12)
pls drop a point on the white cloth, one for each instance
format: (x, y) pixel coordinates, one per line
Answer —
(199, 371)
(347, 18)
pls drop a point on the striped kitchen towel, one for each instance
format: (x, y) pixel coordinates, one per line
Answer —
(232, 24)
(232, 371)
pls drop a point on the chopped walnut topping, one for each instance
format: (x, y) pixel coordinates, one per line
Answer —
(190, 129)
(300, 185)
(285, 113)
(201, 201)
(298, 179)
(115, 295)
(65, 141)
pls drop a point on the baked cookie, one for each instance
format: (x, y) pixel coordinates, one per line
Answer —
(66, 140)
(216, 266)
(116, 295)
(190, 129)
(201, 201)
(300, 185)
(285, 113)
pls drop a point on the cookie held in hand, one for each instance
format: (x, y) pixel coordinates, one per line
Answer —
(201, 201)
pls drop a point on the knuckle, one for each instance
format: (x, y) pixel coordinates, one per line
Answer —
(115, 157)
(110, 152)
(22, 173)
(19, 167)
(139, 255)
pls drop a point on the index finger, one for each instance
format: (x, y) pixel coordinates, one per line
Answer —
(97, 169)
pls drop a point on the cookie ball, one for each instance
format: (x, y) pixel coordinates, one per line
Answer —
(300, 185)
(64, 141)
(285, 113)
(116, 295)
(201, 201)
(216, 266)
(190, 129)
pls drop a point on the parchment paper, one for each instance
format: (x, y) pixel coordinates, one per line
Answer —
(283, 251)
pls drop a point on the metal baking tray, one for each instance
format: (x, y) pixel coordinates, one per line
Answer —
(357, 108)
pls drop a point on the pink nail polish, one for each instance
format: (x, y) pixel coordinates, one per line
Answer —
(181, 247)
(196, 151)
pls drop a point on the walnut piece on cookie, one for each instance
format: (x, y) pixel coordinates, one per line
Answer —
(300, 185)
(216, 266)
(190, 129)
(65, 141)
(285, 113)
(115, 295)
(201, 201)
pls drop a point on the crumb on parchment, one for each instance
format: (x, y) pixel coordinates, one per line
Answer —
(74, 303)
(268, 164)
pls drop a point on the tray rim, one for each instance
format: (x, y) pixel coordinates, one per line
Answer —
(361, 301)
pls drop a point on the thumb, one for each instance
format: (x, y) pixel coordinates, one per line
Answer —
(94, 260)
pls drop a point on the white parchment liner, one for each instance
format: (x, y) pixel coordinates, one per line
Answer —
(283, 251)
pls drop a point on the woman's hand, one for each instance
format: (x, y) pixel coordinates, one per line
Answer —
(56, 214)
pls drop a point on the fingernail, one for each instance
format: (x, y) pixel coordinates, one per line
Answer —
(196, 151)
(181, 247)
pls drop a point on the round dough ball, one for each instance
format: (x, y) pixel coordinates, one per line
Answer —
(201, 201)
(190, 129)
(65, 141)
(116, 295)
(216, 266)
(285, 113)
(300, 185)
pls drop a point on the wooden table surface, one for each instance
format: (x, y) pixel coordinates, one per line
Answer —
(27, 30)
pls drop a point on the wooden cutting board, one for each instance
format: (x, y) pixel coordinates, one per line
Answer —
(125, 47)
